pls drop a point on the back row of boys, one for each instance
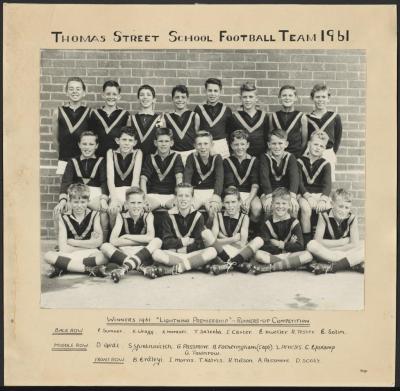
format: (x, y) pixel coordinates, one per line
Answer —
(164, 170)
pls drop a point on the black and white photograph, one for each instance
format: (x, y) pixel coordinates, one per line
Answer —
(203, 179)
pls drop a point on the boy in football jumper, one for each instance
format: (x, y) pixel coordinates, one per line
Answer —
(252, 119)
(161, 172)
(90, 170)
(132, 239)
(336, 241)
(79, 236)
(292, 121)
(185, 241)
(215, 116)
(123, 169)
(146, 121)
(183, 122)
(242, 171)
(69, 121)
(278, 168)
(205, 172)
(231, 230)
(315, 181)
(282, 246)
(108, 120)
(328, 121)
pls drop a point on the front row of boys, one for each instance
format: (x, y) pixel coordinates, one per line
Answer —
(186, 244)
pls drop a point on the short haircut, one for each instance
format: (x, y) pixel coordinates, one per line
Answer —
(129, 130)
(164, 132)
(75, 78)
(203, 133)
(248, 86)
(287, 87)
(88, 133)
(180, 88)
(319, 87)
(111, 83)
(232, 190)
(184, 185)
(240, 134)
(277, 133)
(321, 135)
(213, 80)
(341, 193)
(133, 190)
(146, 87)
(281, 192)
(78, 190)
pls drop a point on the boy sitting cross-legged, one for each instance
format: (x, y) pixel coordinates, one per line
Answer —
(282, 246)
(185, 241)
(132, 239)
(79, 236)
(336, 241)
(231, 229)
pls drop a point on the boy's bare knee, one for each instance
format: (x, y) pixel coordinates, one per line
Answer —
(312, 245)
(256, 243)
(208, 237)
(209, 253)
(157, 243)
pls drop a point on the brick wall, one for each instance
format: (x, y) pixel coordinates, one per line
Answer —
(343, 70)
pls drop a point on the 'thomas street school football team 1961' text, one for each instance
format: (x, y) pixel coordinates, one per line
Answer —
(251, 174)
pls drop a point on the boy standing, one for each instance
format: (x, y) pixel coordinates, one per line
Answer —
(205, 172)
(184, 123)
(161, 172)
(315, 181)
(132, 239)
(292, 121)
(336, 241)
(108, 120)
(278, 168)
(146, 121)
(242, 171)
(184, 238)
(69, 121)
(327, 121)
(253, 120)
(215, 116)
(79, 236)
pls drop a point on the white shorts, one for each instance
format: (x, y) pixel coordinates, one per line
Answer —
(61, 165)
(330, 156)
(95, 192)
(121, 193)
(317, 196)
(202, 196)
(221, 147)
(184, 155)
(244, 195)
(161, 198)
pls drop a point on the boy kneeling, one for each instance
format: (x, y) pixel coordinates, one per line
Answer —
(184, 237)
(79, 236)
(132, 239)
